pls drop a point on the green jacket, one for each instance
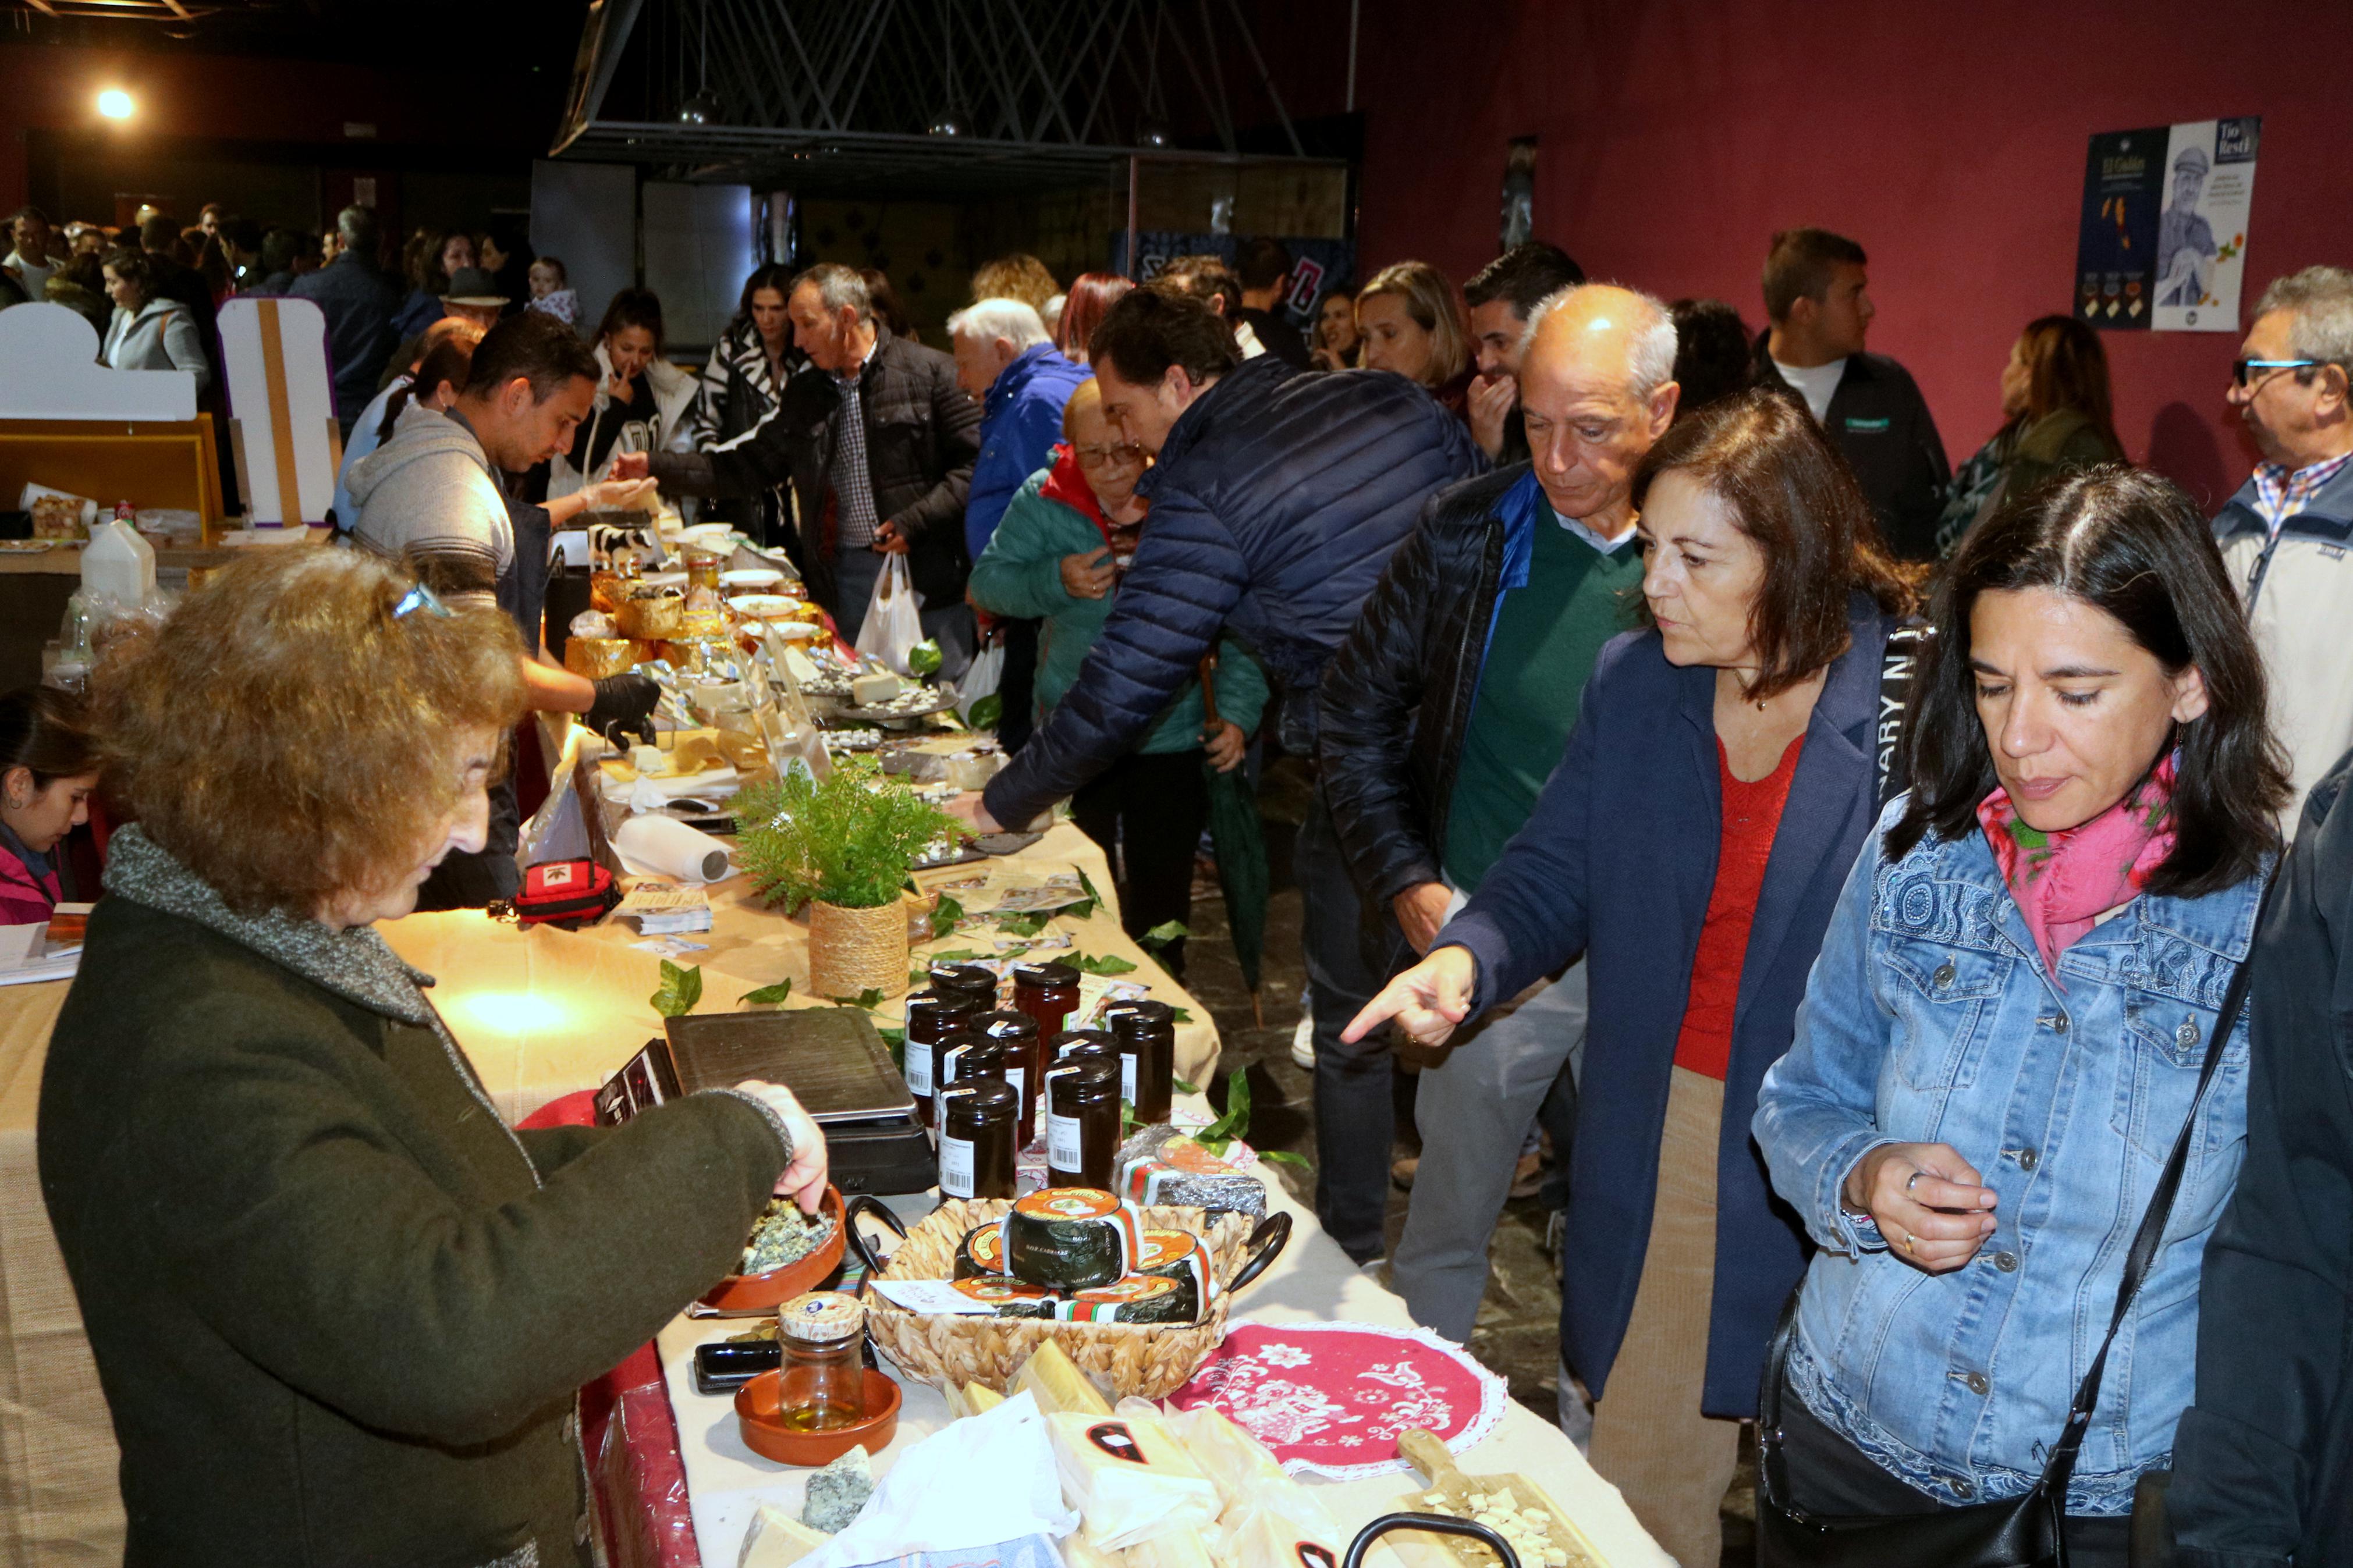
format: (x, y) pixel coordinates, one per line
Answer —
(1019, 576)
(340, 1311)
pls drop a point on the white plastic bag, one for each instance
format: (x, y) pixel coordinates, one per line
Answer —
(979, 680)
(892, 624)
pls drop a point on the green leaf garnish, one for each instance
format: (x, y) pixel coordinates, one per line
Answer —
(681, 990)
(944, 915)
(1107, 963)
(1164, 933)
(766, 994)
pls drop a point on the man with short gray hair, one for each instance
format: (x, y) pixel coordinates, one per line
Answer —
(1022, 383)
(359, 302)
(2285, 536)
(1444, 713)
(878, 443)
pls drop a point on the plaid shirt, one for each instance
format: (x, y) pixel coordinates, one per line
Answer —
(853, 486)
(2279, 495)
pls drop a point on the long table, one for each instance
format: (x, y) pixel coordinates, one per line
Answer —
(542, 1013)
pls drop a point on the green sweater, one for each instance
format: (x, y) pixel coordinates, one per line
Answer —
(1547, 636)
(340, 1311)
(1019, 576)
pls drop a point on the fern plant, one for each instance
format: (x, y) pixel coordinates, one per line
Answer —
(847, 839)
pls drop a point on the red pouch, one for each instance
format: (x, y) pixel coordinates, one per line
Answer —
(566, 893)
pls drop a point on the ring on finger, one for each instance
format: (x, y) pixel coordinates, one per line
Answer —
(1912, 1182)
(1910, 1249)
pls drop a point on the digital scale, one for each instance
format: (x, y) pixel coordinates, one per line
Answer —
(831, 1057)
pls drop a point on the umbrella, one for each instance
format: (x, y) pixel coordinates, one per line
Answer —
(1241, 845)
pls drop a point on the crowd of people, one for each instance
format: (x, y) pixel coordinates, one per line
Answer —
(1852, 870)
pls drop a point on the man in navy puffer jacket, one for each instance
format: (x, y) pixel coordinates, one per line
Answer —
(1278, 498)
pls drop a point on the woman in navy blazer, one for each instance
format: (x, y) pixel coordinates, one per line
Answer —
(1720, 781)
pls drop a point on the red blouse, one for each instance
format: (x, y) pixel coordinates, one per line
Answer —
(1752, 815)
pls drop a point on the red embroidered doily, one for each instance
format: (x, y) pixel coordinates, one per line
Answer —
(1331, 1398)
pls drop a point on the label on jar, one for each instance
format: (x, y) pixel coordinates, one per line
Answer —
(955, 1167)
(1063, 1146)
(918, 1066)
(1014, 1075)
(1127, 1076)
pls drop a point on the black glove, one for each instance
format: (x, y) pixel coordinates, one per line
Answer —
(624, 708)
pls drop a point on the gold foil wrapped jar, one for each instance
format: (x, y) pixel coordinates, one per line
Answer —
(597, 657)
(652, 614)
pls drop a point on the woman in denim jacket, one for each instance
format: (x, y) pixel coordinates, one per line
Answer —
(2003, 1033)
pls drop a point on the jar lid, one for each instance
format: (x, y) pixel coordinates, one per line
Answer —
(974, 977)
(1083, 1042)
(1086, 1077)
(1004, 1024)
(1046, 974)
(820, 1315)
(980, 1098)
(941, 1004)
(979, 1053)
(1144, 1017)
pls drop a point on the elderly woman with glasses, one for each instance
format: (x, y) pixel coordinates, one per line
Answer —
(340, 1308)
(1057, 557)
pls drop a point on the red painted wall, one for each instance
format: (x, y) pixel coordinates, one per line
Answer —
(1949, 139)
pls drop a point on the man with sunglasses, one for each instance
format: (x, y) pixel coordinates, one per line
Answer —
(2287, 535)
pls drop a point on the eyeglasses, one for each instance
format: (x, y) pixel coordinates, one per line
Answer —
(420, 598)
(1100, 457)
(2242, 369)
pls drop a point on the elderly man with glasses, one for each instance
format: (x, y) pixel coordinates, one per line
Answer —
(2287, 535)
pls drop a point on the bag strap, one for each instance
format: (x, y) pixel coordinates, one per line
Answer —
(2061, 1466)
(2153, 1222)
(1899, 671)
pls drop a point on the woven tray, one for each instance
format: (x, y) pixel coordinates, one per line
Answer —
(1149, 1359)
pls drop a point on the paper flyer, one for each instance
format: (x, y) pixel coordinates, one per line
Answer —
(2162, 239)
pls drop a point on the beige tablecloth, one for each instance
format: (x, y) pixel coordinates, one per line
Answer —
(543, 1013)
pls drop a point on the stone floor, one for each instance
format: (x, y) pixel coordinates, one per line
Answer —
(1518, 1332)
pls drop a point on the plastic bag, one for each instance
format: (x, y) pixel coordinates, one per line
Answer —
(1129, 1478)
(893, 624)
(981, 680)
(1267, 1520)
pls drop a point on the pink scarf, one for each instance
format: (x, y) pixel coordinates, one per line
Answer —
(2063, 881)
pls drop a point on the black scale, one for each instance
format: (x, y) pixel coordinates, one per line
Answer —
(831, 1057)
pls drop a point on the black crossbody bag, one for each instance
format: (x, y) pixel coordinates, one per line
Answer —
(2023, 1532)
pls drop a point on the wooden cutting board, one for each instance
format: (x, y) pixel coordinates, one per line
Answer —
(1422, 1548)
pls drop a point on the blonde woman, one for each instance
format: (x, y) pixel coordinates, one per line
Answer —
(1411, 321)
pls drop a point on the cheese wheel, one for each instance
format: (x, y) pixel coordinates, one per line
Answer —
(1070, 1238)
(1138, 1299)
(981, 1254)
(1010, 1298)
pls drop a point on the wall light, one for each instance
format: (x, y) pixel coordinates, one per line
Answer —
(115, 104)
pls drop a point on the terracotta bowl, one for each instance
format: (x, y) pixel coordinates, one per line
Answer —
(752, 1292)
(756, 1417)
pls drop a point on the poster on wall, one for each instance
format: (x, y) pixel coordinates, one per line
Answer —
(1317, 266)
(2162, 241)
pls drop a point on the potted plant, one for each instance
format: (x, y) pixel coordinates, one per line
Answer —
(843, 845)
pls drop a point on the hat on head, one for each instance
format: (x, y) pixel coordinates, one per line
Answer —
(2192, 158)
(472, 286)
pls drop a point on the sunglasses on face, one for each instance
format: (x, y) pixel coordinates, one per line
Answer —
(2244, 371)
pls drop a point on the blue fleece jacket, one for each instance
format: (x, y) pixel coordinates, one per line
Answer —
(1020, 420)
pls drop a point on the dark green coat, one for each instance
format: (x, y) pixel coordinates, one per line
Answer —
(340, 1310)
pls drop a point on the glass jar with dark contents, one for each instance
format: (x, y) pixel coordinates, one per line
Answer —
(968, 1054)
(976, 1147)
(1025, 1058)
(1047, 992)
(1146, 1032)
(1081, 1122)
(933, 1016)
(822, 1385)
(975, 980)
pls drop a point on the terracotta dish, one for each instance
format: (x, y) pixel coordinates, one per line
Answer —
(751, 1292)
(764, 1433)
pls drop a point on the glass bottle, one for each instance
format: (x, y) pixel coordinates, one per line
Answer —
(1081, 1122)
(1025, 1058)
(932, 1017)
(1048, 992)
(822, 1385)
(977, 1148)
(1146, 1032)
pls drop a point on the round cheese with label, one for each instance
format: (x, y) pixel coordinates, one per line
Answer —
(1179, 1255)
(981, 1253)
(1138, 1299)
(1070, 1238)
(1008, 1298)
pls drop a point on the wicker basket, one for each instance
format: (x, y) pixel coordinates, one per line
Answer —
(1149, 1359)
(852, 951)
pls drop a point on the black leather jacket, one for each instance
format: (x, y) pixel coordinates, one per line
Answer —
(1396, 698)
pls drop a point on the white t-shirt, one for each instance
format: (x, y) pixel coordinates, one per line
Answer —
(1815, 383)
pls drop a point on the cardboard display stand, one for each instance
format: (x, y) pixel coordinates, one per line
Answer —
(282, 409)
(74, 425)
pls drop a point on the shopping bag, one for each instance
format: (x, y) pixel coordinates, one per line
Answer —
(979, 682)
(893, 625)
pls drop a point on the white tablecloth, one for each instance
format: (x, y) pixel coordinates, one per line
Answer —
(1312, 1281)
